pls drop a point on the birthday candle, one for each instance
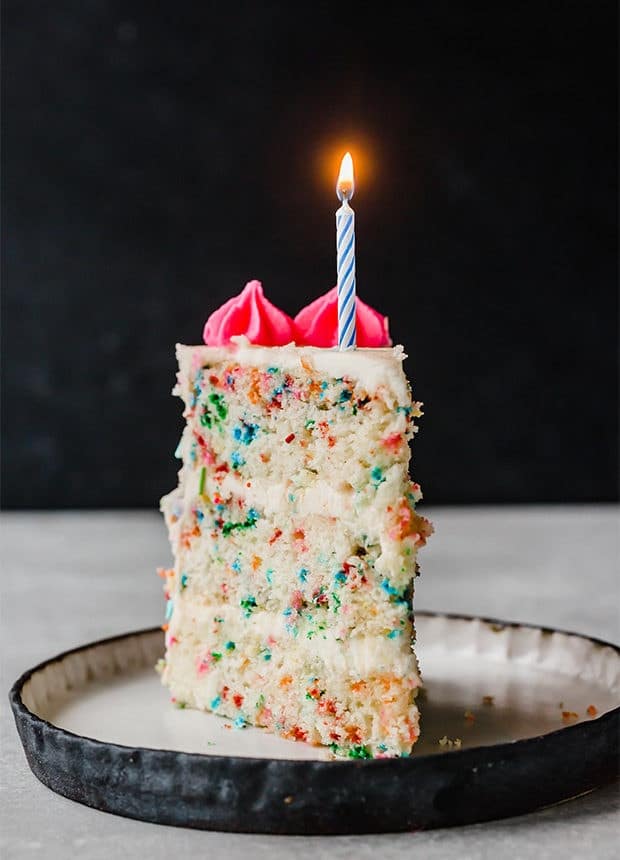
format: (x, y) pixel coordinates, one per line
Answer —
(345, 253)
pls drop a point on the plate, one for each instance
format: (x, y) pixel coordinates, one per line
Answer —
(514, 718)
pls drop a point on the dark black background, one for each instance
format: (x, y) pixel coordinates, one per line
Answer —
(158, 155)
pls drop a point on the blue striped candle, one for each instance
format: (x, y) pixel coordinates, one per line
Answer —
(345, 253)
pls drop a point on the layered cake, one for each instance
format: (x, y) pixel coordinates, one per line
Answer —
(294, 531)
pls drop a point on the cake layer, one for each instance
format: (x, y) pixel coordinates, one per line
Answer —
(258, 546)
(308, 605)
(305, 427)
(375, 369)
(317, 690)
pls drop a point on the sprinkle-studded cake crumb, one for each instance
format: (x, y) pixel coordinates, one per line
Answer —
(295, 537)
(450, 743)
(570, 716)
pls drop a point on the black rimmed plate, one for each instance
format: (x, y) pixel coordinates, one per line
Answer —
(515, 718)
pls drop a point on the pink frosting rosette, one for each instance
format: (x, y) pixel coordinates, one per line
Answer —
(252, 315)
(317, 323)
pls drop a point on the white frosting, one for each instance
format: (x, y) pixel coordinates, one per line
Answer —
(318, 498)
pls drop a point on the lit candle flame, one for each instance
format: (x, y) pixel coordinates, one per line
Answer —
(345, 187)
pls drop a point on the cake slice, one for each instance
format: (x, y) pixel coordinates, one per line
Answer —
(295, 536)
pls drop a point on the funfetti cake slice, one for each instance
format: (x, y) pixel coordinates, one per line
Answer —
(295, 537)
